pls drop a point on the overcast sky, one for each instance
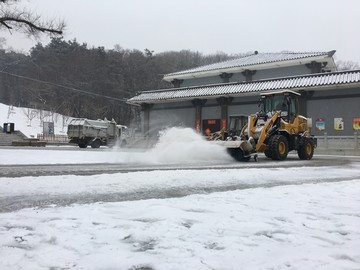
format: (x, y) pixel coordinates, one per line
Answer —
(207, 26)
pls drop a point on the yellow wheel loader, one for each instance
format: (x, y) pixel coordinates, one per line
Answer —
(275, 130)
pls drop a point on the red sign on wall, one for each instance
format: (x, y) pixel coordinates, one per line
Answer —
(211, 126)
(211, 122)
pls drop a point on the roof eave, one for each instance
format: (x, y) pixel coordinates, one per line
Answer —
(247, 94)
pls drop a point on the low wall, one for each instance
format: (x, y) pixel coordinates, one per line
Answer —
(339, 145)
(29, 142)
(53, 138)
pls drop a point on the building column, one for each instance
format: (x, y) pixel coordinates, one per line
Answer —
(225, 77)
(224, 102)
(248, 74)
(198, 103)
(145, 108)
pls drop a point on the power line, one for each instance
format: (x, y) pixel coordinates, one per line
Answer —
(65, 87)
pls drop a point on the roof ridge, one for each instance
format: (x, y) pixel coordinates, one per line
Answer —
(296, 52)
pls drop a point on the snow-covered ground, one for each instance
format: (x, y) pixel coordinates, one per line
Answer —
(29, 121)
(297, 217)
(309, 226)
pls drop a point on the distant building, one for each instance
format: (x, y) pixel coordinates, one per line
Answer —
(204, 97)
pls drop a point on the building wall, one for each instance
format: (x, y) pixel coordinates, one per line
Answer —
(281, 72)
(171, 115)
(259, 75)
(201, 81)
(244, 105)
(325, 106)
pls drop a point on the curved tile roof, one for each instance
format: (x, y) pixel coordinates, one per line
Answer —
(235, 89)
(251, 60)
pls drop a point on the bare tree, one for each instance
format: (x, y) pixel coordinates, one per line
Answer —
(347, 65)
(26, 21)
(30, 114)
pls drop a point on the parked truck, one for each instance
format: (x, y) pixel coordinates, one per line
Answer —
(95, 133)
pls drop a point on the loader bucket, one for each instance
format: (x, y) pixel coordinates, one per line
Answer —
(238, 154)
(239, 150)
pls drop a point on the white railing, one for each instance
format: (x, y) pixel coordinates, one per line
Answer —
(53, 138)
(339, 142)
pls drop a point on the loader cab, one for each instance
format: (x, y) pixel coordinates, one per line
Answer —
(284, 102)
(236, 124)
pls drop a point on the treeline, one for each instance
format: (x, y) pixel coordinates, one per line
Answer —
(72, 79)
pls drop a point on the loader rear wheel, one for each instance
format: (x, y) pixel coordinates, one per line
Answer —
(306, 149)
(238, 154)
(279, 147)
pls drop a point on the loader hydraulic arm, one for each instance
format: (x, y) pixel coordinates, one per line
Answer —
(260, 146)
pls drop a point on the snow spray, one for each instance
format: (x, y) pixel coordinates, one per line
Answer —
(184, 145)
(179, 145)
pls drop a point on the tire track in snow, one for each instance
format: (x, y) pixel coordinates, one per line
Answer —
(14, 203)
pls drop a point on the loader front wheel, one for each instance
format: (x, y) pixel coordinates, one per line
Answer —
(267, 153)
(279, 147)
(306, 149)
(238, 154)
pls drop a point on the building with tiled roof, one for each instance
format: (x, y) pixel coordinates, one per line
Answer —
(212, 93)
(259, 64)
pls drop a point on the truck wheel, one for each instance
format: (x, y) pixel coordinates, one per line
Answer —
(238, 154)
(278, 147)
(306, 149)
(82, 145)
(96, 144)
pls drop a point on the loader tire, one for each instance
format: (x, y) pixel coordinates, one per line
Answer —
(267, 153)
(279, 147)
(238, 154)
(306, 149)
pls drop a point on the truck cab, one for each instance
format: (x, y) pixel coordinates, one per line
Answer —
(123, 135)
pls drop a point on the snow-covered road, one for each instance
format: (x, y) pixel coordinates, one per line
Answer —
(272, 219)
(309, 226)
(21, 192)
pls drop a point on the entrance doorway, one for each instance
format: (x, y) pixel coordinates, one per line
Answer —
(210, 126)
